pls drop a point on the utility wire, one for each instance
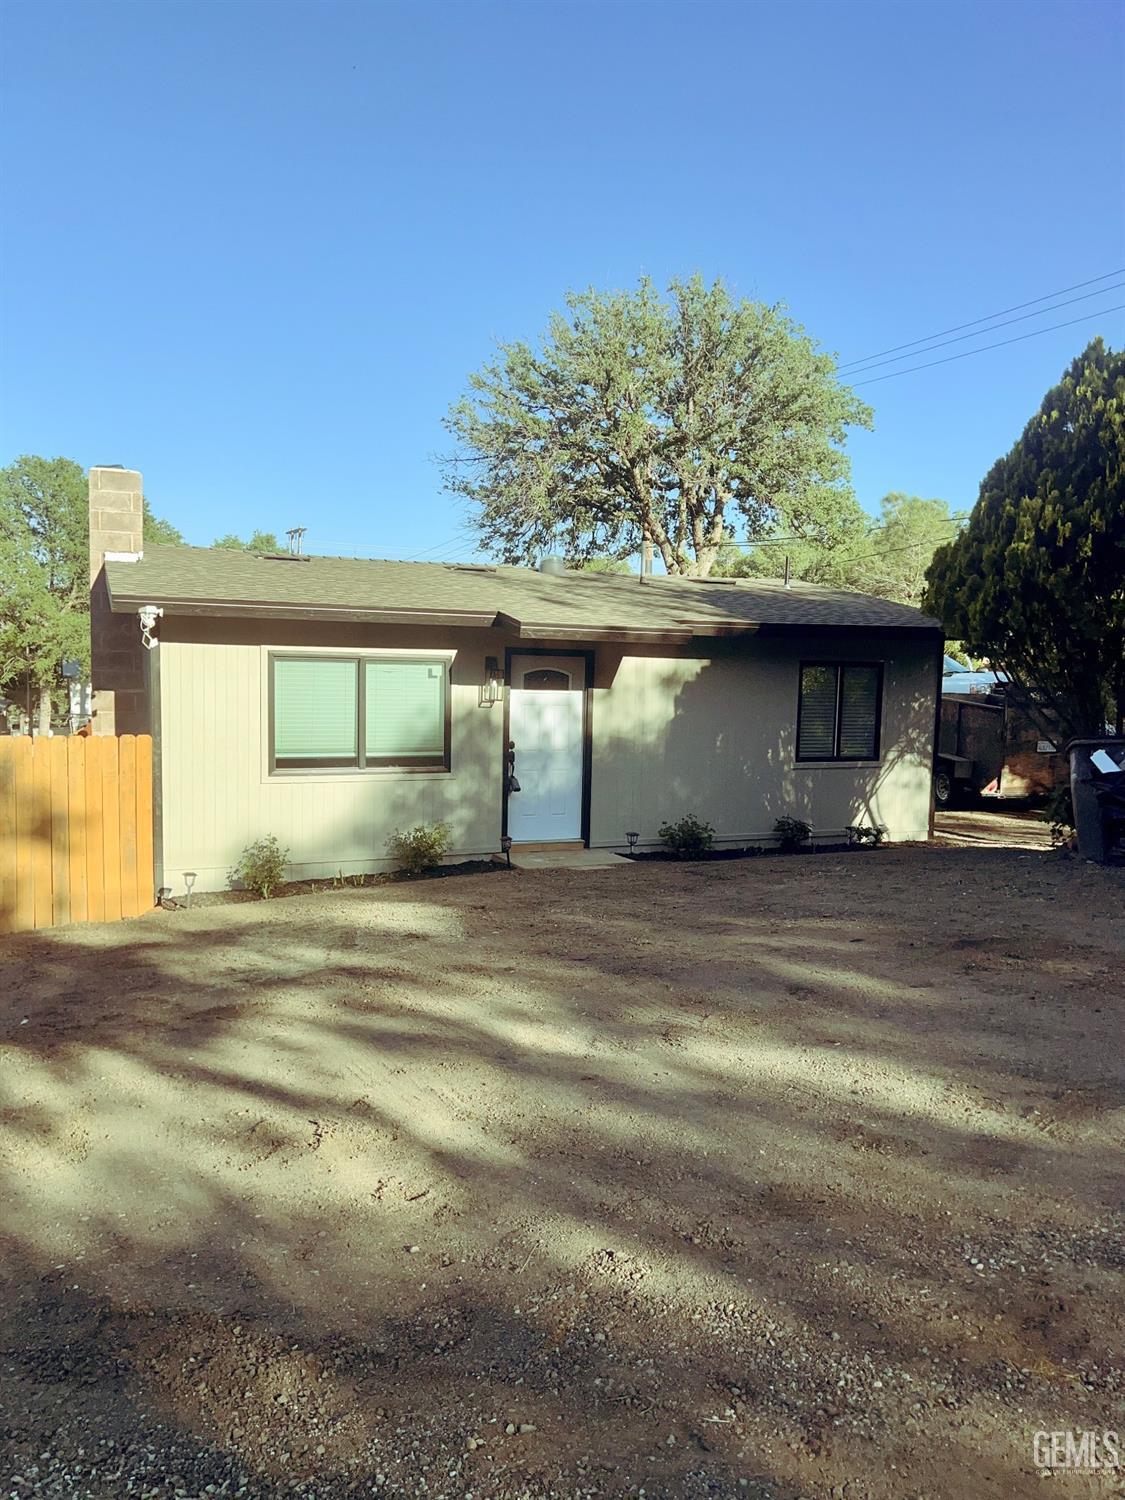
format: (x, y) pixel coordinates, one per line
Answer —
(1019, 306)
(1023, 317)
(886, 552)
(1019, 338)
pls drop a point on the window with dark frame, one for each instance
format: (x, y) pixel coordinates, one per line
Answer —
(358, 712)
(839, 711)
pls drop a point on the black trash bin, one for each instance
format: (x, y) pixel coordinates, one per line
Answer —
(1097, 791)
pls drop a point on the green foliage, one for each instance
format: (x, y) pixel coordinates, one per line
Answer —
(1060, 815)
(1034, 582)
(161, 533)
(688, 838)
(44, 573)
(259, 541)
(668, 419)
(421, 848)
(887, 558)
(604, 565)
(792, 833)
(261, 866)
(957, 651)
(864, 834)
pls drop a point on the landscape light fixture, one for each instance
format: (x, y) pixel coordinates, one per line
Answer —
(631, 840)
(492, 688)
(506, 846)
(189, 882)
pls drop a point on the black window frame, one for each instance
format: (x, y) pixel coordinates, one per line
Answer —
(839, 667)
(367, 765)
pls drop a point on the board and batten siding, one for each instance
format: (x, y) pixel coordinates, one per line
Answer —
(218, 795)
(717, 737)
(671, 734)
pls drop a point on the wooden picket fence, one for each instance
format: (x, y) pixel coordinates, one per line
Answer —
(75, 829)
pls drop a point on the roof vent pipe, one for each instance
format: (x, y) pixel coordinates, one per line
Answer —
(552, 564)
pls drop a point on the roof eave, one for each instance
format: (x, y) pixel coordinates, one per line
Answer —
(256, 610)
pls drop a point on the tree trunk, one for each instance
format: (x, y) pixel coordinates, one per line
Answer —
(44, 708)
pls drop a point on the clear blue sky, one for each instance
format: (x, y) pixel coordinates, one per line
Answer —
(255, 249)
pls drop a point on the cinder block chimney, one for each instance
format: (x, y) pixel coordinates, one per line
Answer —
(118, 666)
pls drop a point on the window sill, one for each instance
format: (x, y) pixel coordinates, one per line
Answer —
(328, 776)
(835, 764)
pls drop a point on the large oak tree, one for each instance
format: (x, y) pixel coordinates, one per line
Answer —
(674, 420)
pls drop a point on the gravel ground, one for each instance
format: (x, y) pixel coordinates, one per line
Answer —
(768, 1179)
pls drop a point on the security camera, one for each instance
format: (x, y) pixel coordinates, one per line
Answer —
(149, 614)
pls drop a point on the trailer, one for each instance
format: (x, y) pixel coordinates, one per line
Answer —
(997, 745)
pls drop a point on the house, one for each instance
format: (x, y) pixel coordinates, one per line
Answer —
(330, 701)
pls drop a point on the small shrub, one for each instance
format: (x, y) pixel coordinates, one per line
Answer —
(261, 866)
(1060, 815)
(792, 833)
(689, 838)
(861, 834)
(421, 848)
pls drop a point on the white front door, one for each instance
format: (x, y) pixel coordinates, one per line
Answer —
(545, 725)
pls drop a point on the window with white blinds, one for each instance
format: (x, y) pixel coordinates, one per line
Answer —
(404, 714)
(839, 711)
(333, 712)
(314, 712)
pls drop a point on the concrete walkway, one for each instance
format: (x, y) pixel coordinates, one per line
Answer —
(567, 859)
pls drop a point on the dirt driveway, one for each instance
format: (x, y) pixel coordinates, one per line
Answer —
(777, 1178)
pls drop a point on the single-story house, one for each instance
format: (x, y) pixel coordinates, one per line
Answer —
(331, 701)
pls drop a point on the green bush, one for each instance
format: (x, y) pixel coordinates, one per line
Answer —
(1060, 815)
(421, 848)
(860, 834)
(261, 866)
(792, 833)
(690, 838)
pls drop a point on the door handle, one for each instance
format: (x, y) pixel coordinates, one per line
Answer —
(512, 783)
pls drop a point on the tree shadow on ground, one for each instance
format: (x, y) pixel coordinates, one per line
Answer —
(756, 1161)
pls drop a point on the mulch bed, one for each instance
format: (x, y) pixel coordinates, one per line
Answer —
(345, 882)
(661, 856)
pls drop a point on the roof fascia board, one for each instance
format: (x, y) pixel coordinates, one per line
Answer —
(565, 632)
(866, 627)
(245, 610)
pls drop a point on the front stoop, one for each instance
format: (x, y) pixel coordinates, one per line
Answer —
(565, 857)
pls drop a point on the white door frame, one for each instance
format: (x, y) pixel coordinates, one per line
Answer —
(587, 758)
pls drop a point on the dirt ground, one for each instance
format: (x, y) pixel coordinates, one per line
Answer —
(766, 1179)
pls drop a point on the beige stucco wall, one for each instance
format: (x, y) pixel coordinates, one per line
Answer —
(671, 734)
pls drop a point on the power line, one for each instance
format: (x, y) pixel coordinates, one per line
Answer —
(886, 552)
(1019, 306)
(1019, 338)
(1023, 317)
(364, 547)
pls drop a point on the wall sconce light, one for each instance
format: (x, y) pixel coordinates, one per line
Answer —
(492, 688)
(506, 846)
(631, 840)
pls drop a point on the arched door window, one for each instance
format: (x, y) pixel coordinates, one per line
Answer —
(547, 677)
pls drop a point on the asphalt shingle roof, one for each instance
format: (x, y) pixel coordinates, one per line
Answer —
(204, 580)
